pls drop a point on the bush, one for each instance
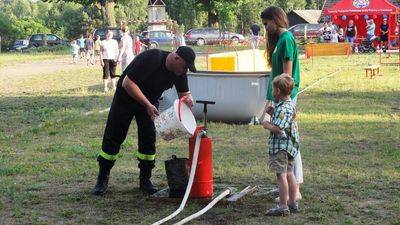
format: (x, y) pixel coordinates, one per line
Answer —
(58, 49)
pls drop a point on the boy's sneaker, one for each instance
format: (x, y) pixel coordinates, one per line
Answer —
(294, 208)
(278, 211)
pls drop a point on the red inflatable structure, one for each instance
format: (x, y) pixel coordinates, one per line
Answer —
(361, 10)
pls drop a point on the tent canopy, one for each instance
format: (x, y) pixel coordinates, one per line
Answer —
(359, 10)
(361, 7)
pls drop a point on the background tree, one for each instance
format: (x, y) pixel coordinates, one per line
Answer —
(134, 12)
(249, 12)
(209, 6)
(311, 4)
(25, 27)
(226, 14)
(7, 32)
(106, 7)
(291, 5)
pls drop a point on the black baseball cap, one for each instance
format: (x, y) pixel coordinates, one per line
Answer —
(187, 54)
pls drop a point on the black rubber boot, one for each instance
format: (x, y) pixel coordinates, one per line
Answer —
(145, 184)
(103, 177)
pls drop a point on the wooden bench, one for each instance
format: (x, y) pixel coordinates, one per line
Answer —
(372, 69)
(327, 49)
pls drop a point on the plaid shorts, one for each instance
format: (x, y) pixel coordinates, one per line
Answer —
(281, 162)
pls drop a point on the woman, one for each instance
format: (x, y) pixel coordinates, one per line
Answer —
(125, 48)
(108, 59)
(282, 55)
(384, 34)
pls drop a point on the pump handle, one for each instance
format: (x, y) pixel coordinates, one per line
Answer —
(205, 102)
(205, 110)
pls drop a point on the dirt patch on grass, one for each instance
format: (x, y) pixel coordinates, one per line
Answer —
(40, 67)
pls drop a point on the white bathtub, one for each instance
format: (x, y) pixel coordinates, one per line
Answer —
(240, 97)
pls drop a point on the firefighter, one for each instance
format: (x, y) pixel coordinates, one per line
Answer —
(138, 90)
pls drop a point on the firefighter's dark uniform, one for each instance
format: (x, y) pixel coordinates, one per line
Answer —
(149, 72)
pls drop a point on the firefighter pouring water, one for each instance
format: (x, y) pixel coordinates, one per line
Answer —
(138, 90)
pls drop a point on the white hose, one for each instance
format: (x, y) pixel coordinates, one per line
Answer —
(191, 178)
(319, 80)
(205, 209)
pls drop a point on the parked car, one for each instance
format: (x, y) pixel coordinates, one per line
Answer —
(312, 30)
(18, 46)
(117, 33)
(158, 37)
(209, 35)
(38, 40)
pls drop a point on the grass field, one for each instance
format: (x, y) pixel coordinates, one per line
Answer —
(350, 140)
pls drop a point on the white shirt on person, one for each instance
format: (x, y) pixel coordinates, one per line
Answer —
(110, 49)
(127, 56)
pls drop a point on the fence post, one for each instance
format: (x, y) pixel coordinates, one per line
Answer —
(0, 44)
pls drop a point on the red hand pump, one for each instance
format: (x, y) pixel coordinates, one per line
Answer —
(203, 179)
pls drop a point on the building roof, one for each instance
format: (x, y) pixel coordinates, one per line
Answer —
(156, 3)
(311, 16)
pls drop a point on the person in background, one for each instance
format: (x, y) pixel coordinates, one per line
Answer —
(370, 30)
(334, 36)
(97, 44)
(254, 36)
(108, 59)
(181, 39)
(146, 42)
(384, 30)
(141, 85)
(351, 33)
(89, 47)
(333, 26)
(138, 45)
(81, 43)
(74, 51)
(340, 33)
(326, 33)
(395, 41)
(125, 55)
(282, 56)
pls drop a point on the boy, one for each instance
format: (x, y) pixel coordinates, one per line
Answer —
(283, 144)
(89, 49)
(74, 51)
(97, 45)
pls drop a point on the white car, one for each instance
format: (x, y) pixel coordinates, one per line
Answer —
(209, 35)
(18, 46)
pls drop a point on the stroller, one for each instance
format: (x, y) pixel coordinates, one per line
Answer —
(367, 45)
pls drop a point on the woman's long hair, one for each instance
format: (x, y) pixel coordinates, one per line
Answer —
(278, 16)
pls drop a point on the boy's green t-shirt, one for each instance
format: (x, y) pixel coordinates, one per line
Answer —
(285, 50)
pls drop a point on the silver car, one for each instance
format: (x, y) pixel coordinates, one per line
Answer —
(209, 35)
